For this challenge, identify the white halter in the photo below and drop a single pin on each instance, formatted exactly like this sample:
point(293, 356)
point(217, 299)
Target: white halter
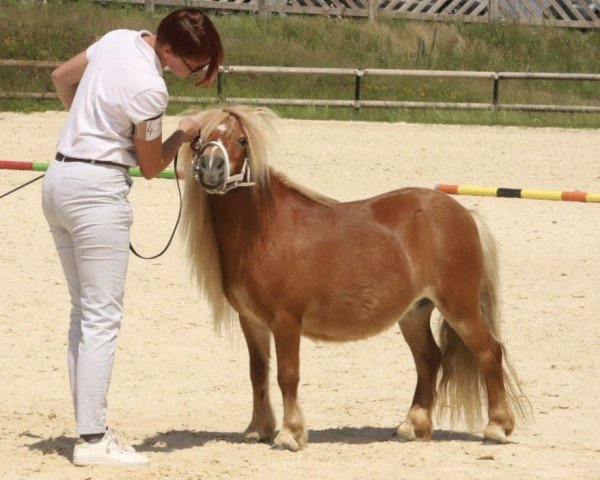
point(230, 182)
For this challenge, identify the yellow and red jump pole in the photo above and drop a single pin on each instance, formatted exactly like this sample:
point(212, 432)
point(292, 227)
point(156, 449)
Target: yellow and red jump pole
point(442, 187)
point(517, 193)
point(42, 167)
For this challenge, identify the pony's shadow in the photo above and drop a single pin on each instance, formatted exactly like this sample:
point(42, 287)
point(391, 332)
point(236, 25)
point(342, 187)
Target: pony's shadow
point(365, 435)
point(183, 439)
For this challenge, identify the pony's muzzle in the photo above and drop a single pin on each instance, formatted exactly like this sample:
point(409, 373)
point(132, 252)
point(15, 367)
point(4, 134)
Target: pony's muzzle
point(209, 170)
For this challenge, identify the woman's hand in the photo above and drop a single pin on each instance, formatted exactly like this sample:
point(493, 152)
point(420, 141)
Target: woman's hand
point(155, 155)
point(190, 128)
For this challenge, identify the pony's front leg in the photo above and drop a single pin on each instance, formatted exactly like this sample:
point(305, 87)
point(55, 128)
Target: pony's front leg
point(258, 339)
point(286, 331)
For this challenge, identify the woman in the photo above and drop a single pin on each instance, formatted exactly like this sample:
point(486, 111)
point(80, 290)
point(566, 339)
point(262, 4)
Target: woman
point(116, 98)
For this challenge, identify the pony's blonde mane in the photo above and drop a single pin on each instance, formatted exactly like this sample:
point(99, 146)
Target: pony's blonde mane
point(197, 224)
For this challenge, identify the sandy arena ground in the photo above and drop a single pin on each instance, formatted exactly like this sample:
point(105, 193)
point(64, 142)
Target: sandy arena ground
point(181, 393)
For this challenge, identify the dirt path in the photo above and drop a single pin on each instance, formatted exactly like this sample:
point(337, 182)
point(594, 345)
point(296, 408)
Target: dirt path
point(181, 393)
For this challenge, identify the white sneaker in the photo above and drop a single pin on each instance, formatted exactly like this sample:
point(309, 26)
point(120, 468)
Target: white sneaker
point(108, 451)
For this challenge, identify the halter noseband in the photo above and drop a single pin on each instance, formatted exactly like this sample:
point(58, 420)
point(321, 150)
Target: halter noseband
point(230, 182)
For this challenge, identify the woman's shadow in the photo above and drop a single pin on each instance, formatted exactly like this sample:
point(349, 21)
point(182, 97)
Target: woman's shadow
point(62, 445)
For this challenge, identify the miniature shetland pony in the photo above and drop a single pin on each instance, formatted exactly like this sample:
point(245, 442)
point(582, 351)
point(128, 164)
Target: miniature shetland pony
point(292, 262)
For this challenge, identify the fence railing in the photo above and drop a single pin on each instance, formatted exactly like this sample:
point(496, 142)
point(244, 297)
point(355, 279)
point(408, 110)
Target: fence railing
point(356, 101)
point(560, 13)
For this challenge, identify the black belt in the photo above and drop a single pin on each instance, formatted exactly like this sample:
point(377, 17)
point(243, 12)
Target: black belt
point(63, 158)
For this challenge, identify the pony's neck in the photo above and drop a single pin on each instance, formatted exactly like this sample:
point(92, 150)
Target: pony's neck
point(248, 210)
point(236, 217)
point(233, 206)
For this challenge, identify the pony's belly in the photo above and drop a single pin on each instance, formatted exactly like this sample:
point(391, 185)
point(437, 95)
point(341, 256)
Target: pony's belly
point(345, 326)
point(353, 310)
point(334, 320)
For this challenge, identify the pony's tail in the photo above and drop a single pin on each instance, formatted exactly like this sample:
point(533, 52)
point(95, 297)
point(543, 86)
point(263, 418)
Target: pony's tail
point(461, 389)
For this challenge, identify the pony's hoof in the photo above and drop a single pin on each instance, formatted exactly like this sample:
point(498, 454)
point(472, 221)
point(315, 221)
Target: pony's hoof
point(494, 433)
point(406, 432)
point(257, 436)
point(286, 440)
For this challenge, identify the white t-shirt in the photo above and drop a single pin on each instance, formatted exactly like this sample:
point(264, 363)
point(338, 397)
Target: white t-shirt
point(122, 86)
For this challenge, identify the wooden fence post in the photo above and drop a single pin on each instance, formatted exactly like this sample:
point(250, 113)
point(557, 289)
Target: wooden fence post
point(372, 10)
point(357, 90)
point(220, 85)
point(496, 93)
point(262, 8)
point(494, 11)
point(149, 5)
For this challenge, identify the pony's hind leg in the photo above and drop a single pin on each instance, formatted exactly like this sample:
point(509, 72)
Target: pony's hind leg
point(286, 332)
point(467, 329)
point(472, 354)
point(258, 339)
point(416, 329)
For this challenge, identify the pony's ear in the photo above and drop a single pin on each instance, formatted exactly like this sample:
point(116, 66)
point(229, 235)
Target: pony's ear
point(266, 113)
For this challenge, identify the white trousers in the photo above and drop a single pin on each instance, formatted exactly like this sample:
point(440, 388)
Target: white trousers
point(90, 217)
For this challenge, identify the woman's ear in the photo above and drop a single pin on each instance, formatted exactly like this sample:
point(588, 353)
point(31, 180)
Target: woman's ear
point(164, 51)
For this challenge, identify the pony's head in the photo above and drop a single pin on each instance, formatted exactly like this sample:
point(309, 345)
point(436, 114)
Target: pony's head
point(232, 149)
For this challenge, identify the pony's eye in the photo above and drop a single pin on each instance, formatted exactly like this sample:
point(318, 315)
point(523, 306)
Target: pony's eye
point(243, 142)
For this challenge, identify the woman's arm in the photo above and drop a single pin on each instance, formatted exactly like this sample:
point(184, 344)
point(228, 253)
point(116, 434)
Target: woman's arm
point(66, 78)
point(155, 155)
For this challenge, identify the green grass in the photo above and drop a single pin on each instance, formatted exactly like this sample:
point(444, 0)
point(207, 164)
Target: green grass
point(59, 29)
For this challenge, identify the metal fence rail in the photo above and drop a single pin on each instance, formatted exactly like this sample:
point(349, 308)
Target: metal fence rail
point(357, 102)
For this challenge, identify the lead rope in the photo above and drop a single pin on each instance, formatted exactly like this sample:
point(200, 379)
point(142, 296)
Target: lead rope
point(176, 222)
point(130, 245)
point(21, 186)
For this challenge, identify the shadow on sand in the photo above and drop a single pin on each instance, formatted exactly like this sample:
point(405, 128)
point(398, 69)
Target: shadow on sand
point(364, 435)
point(183, 439)
point(62, 445)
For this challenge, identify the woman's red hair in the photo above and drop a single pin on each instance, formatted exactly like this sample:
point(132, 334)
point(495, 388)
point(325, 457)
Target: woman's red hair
point(192, 35)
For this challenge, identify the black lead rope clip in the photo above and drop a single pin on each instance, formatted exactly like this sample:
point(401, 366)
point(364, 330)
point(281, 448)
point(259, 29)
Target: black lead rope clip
point(196, 143)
